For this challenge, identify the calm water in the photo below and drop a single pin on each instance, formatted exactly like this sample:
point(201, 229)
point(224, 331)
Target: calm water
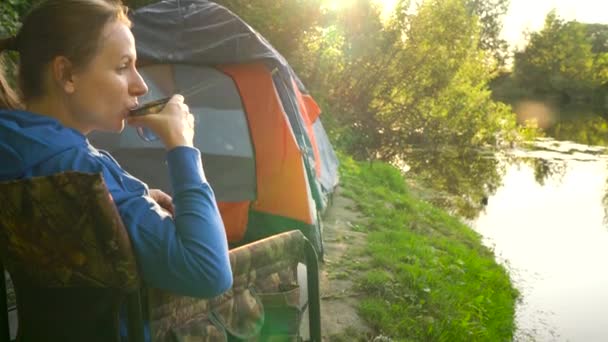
point(553, 237)
point(543, 210)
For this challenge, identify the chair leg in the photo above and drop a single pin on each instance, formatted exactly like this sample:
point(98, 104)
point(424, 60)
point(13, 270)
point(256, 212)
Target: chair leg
point(314, 297)
point(135, 319)
point(5, 333)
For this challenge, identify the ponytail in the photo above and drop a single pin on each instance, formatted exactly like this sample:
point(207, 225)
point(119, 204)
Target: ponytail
point(8, 96)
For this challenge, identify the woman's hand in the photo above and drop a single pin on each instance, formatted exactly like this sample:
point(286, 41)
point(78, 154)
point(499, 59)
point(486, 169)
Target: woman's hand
point(165, 201)
point(174, 125)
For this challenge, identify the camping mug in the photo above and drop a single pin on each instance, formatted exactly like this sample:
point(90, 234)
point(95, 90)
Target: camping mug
point(151, 107)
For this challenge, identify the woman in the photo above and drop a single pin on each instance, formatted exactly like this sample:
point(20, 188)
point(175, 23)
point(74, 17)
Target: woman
point(76, 75)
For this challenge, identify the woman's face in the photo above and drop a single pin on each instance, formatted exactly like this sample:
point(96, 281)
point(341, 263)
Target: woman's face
point(108, 87)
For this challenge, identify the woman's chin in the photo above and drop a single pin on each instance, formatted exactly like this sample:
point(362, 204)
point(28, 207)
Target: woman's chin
point(116, 127)
point(119, 127)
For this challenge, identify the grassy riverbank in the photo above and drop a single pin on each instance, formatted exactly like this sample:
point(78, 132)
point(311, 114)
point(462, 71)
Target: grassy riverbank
point(423, 275)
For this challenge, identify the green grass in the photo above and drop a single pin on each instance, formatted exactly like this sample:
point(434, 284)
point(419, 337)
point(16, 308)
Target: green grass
point(351, 334)
point(428, 277)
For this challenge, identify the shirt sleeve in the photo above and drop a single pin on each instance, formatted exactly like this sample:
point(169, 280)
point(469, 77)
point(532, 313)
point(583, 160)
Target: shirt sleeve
point(186, 254)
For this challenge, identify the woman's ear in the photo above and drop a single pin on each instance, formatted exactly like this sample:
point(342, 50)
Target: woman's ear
point(63, 74)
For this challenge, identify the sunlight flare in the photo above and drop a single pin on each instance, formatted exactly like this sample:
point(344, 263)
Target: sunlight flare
point(386, 6)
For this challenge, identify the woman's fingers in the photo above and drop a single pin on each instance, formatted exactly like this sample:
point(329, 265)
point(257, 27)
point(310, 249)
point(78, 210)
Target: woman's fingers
point(191, 120)
point(174, 124)
point(177, 98)
point(163, 200)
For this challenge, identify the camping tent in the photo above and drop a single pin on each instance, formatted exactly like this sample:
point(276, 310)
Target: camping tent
point(264, 148)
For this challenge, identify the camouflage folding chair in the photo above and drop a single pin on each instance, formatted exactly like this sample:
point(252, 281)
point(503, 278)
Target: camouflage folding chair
point(264, 303)
point(70, 260)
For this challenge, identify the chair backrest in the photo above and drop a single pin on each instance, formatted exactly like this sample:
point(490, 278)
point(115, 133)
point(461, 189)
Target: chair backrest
point(70, 259)
point(264, 303)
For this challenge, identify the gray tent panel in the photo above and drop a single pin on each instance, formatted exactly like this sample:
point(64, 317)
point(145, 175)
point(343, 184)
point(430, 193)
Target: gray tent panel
point(329, 160)
point(201, 32)
point(198, 32)
point(217, 106)
point(221, 125)
point(222, 132)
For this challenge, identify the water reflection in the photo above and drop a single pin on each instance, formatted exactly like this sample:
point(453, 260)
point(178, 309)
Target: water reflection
point(461, 181)
point(580, 125)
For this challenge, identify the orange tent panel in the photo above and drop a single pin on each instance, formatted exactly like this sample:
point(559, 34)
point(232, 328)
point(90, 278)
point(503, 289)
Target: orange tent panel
point(235, 216)
point(282, 187)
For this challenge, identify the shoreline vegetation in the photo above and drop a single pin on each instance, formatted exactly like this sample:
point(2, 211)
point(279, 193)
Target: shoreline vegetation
point(422, 275)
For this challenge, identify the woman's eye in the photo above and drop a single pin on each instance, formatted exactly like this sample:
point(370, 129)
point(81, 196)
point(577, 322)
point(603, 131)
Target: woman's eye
point(123, 67)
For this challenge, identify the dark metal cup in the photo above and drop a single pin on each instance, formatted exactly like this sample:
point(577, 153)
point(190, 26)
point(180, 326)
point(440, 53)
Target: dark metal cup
point(151, 107)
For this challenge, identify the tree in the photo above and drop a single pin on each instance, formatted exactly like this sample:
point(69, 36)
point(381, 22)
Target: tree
point(490, 14)
point(559, 61)
point(420, 81)
point(599, 37)
point(444, 77)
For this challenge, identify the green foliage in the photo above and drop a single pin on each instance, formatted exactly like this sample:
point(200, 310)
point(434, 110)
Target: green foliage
point(10, 13)
point(561, 53)
point(429, 277)
point(566, 62)
point(598, 33)
point(490, 14)
point(420, 80)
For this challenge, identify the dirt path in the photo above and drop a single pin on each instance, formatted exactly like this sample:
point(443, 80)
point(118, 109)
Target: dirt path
point(339, 297)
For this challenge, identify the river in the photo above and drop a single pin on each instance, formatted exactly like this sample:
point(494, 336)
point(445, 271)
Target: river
point(543, 210)
point(553, 238)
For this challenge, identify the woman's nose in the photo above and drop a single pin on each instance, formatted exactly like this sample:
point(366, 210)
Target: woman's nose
point(138, 86)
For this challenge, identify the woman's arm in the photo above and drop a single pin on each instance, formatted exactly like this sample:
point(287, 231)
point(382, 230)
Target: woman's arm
point(185, 254)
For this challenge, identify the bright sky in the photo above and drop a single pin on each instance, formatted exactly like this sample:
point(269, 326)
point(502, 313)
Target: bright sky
point(530, 15)
point(525, 14)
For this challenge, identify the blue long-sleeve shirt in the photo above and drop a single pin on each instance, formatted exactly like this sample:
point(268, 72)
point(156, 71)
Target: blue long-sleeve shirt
point(187, 254)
